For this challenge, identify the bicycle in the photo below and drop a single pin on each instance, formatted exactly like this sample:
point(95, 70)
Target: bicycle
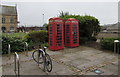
point(40, 56)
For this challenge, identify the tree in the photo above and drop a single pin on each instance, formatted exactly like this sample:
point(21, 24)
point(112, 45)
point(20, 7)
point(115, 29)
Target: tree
point(63, 14)
point(45, 26)
point(88, 25)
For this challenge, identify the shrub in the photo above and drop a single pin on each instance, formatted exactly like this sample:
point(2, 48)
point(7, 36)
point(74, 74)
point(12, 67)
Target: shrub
point(36, 38)
point(83, 40)
point(88, 25)
point(17, 44)
point(45, 44)
point(93, 39)
point(108, 43)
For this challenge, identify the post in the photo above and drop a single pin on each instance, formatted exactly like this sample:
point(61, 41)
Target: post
point(17, 65)
point(9, 51)
point(26, 48)
point(43, 18)
point(116, 46)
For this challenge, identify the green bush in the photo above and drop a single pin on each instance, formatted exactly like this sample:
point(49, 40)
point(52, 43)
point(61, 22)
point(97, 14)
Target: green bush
point(44, 44)
point(88, 26)
point(108, 43)
point(17, 44)
point(83, 40)
point(92, 39)
point(36, 38)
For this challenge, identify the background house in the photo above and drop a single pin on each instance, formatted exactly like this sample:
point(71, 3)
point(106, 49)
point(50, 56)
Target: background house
point(9, 18)
point(110, 31)
point(111, 28)
point(28, 29)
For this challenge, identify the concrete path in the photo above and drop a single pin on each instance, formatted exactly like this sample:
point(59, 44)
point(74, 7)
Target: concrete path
point(70, 61)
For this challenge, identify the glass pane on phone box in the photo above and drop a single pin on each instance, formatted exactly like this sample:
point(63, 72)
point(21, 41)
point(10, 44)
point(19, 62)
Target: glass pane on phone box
point(74, 25)
point(75, 34)
point(74, 29)
point(60, 44)
point(74, 42)
point(50, 24)
point(58, 24)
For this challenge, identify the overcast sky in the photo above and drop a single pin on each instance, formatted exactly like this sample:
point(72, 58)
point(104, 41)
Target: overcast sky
point(31, 13)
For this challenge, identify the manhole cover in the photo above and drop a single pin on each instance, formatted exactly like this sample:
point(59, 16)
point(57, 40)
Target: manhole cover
point(98, 71)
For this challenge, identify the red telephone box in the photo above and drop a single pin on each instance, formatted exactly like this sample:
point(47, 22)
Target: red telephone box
point(56, 35)
point(71, 32)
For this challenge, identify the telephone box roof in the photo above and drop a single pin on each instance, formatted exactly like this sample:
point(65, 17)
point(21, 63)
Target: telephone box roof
point(71, 19)
point(55, 18)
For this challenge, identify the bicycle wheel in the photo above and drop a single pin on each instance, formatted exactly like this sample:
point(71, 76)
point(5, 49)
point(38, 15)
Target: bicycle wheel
point(37, 56)
point(48, 63)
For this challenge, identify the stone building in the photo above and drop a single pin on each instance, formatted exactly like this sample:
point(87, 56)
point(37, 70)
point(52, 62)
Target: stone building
point(8, 15)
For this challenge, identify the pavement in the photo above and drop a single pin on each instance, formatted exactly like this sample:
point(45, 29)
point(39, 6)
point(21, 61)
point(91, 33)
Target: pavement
point(80, 60)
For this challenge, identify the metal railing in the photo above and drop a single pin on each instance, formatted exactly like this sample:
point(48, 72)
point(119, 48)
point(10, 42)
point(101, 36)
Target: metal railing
point(17, 65)
point(26, 48)
point(9, 51)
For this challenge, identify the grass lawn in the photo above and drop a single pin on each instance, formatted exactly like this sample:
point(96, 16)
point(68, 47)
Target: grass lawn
point(20, 34)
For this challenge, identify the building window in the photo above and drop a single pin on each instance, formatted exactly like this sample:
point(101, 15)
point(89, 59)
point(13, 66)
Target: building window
point(11, 20)
point(11, 28)
point(3, 29)
point(3, 20)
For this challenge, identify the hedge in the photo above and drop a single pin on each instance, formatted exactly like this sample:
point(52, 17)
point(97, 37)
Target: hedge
point(33, 38)
point(36, 38)
point(108, 43)
point(16, 44)
point(89, 26)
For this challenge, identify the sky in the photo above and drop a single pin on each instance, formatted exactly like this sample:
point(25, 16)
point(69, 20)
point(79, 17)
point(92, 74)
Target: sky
point(31, 12)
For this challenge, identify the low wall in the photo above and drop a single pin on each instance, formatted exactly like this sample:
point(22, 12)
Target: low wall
point(108, 35)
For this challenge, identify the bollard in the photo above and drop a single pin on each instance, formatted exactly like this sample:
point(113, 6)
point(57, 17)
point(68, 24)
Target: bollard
point(26, 48)
point(116, 46)
point(17, 65)
point(9, 51)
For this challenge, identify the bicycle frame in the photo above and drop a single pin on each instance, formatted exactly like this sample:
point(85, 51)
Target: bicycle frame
point(43, 50)
point(44, 53)
point(41, 53)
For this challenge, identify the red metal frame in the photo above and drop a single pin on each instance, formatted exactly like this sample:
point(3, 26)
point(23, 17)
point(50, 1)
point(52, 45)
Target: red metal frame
point(56, 33)
point(71, 32)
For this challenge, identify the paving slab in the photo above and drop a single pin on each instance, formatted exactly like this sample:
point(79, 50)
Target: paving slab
point(79, 61)
point(110, 69)
point(68, 61)
point(8, 70)
point(65, 72)
point(91, 73)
